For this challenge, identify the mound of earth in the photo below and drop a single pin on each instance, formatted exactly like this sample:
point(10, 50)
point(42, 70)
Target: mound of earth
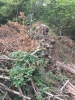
point(59, 47)
point(13, 37)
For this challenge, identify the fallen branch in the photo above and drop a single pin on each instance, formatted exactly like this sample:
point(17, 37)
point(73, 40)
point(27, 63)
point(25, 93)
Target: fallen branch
point(70, 89)
point(6, 94)
point(60, 91)
point(19, 88)
point(32, 83)
point(5, 77)
point(2, 91)
point(3, 65)
point(36, 51)
point(14, 92)
point(2, 59)
point(10, 90)
point(66, 67)
point(54, 96)
point(3, 70)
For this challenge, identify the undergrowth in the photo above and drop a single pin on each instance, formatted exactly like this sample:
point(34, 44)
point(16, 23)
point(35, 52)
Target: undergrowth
point(27, 67)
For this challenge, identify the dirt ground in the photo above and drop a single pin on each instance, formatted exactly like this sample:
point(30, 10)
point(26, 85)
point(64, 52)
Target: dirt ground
point(13, 37)
point(61, 48)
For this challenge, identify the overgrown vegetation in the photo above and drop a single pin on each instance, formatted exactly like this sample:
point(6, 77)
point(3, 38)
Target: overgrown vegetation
point(36, 74)
point(28, 67)
point(28, 72)
point(24, 69)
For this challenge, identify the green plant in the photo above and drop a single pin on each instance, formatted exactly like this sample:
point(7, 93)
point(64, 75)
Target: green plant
point(20, 76)
point(24, 67)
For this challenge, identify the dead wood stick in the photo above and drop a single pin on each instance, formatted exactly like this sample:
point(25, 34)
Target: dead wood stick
point(61, 95)
point(3, 65)
point(35, 51)
point(6, 94)
point(9, 90)
point(65, 67)
point(34, 87)
point(3, 70)
point(72, 85)
point(14, 92)
point(54, 96)
point(71, 90)
point(5, 77)
point(2, 91)
point(60, 91)
point(9, 59)
point(19, 88)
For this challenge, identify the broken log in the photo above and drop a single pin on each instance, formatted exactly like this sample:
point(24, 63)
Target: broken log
point(66, 67)
point(44, 29)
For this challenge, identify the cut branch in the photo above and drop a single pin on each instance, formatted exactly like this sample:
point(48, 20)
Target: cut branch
point(2, 86)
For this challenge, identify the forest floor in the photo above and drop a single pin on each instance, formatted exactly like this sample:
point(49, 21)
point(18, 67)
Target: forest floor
point(14, 37)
